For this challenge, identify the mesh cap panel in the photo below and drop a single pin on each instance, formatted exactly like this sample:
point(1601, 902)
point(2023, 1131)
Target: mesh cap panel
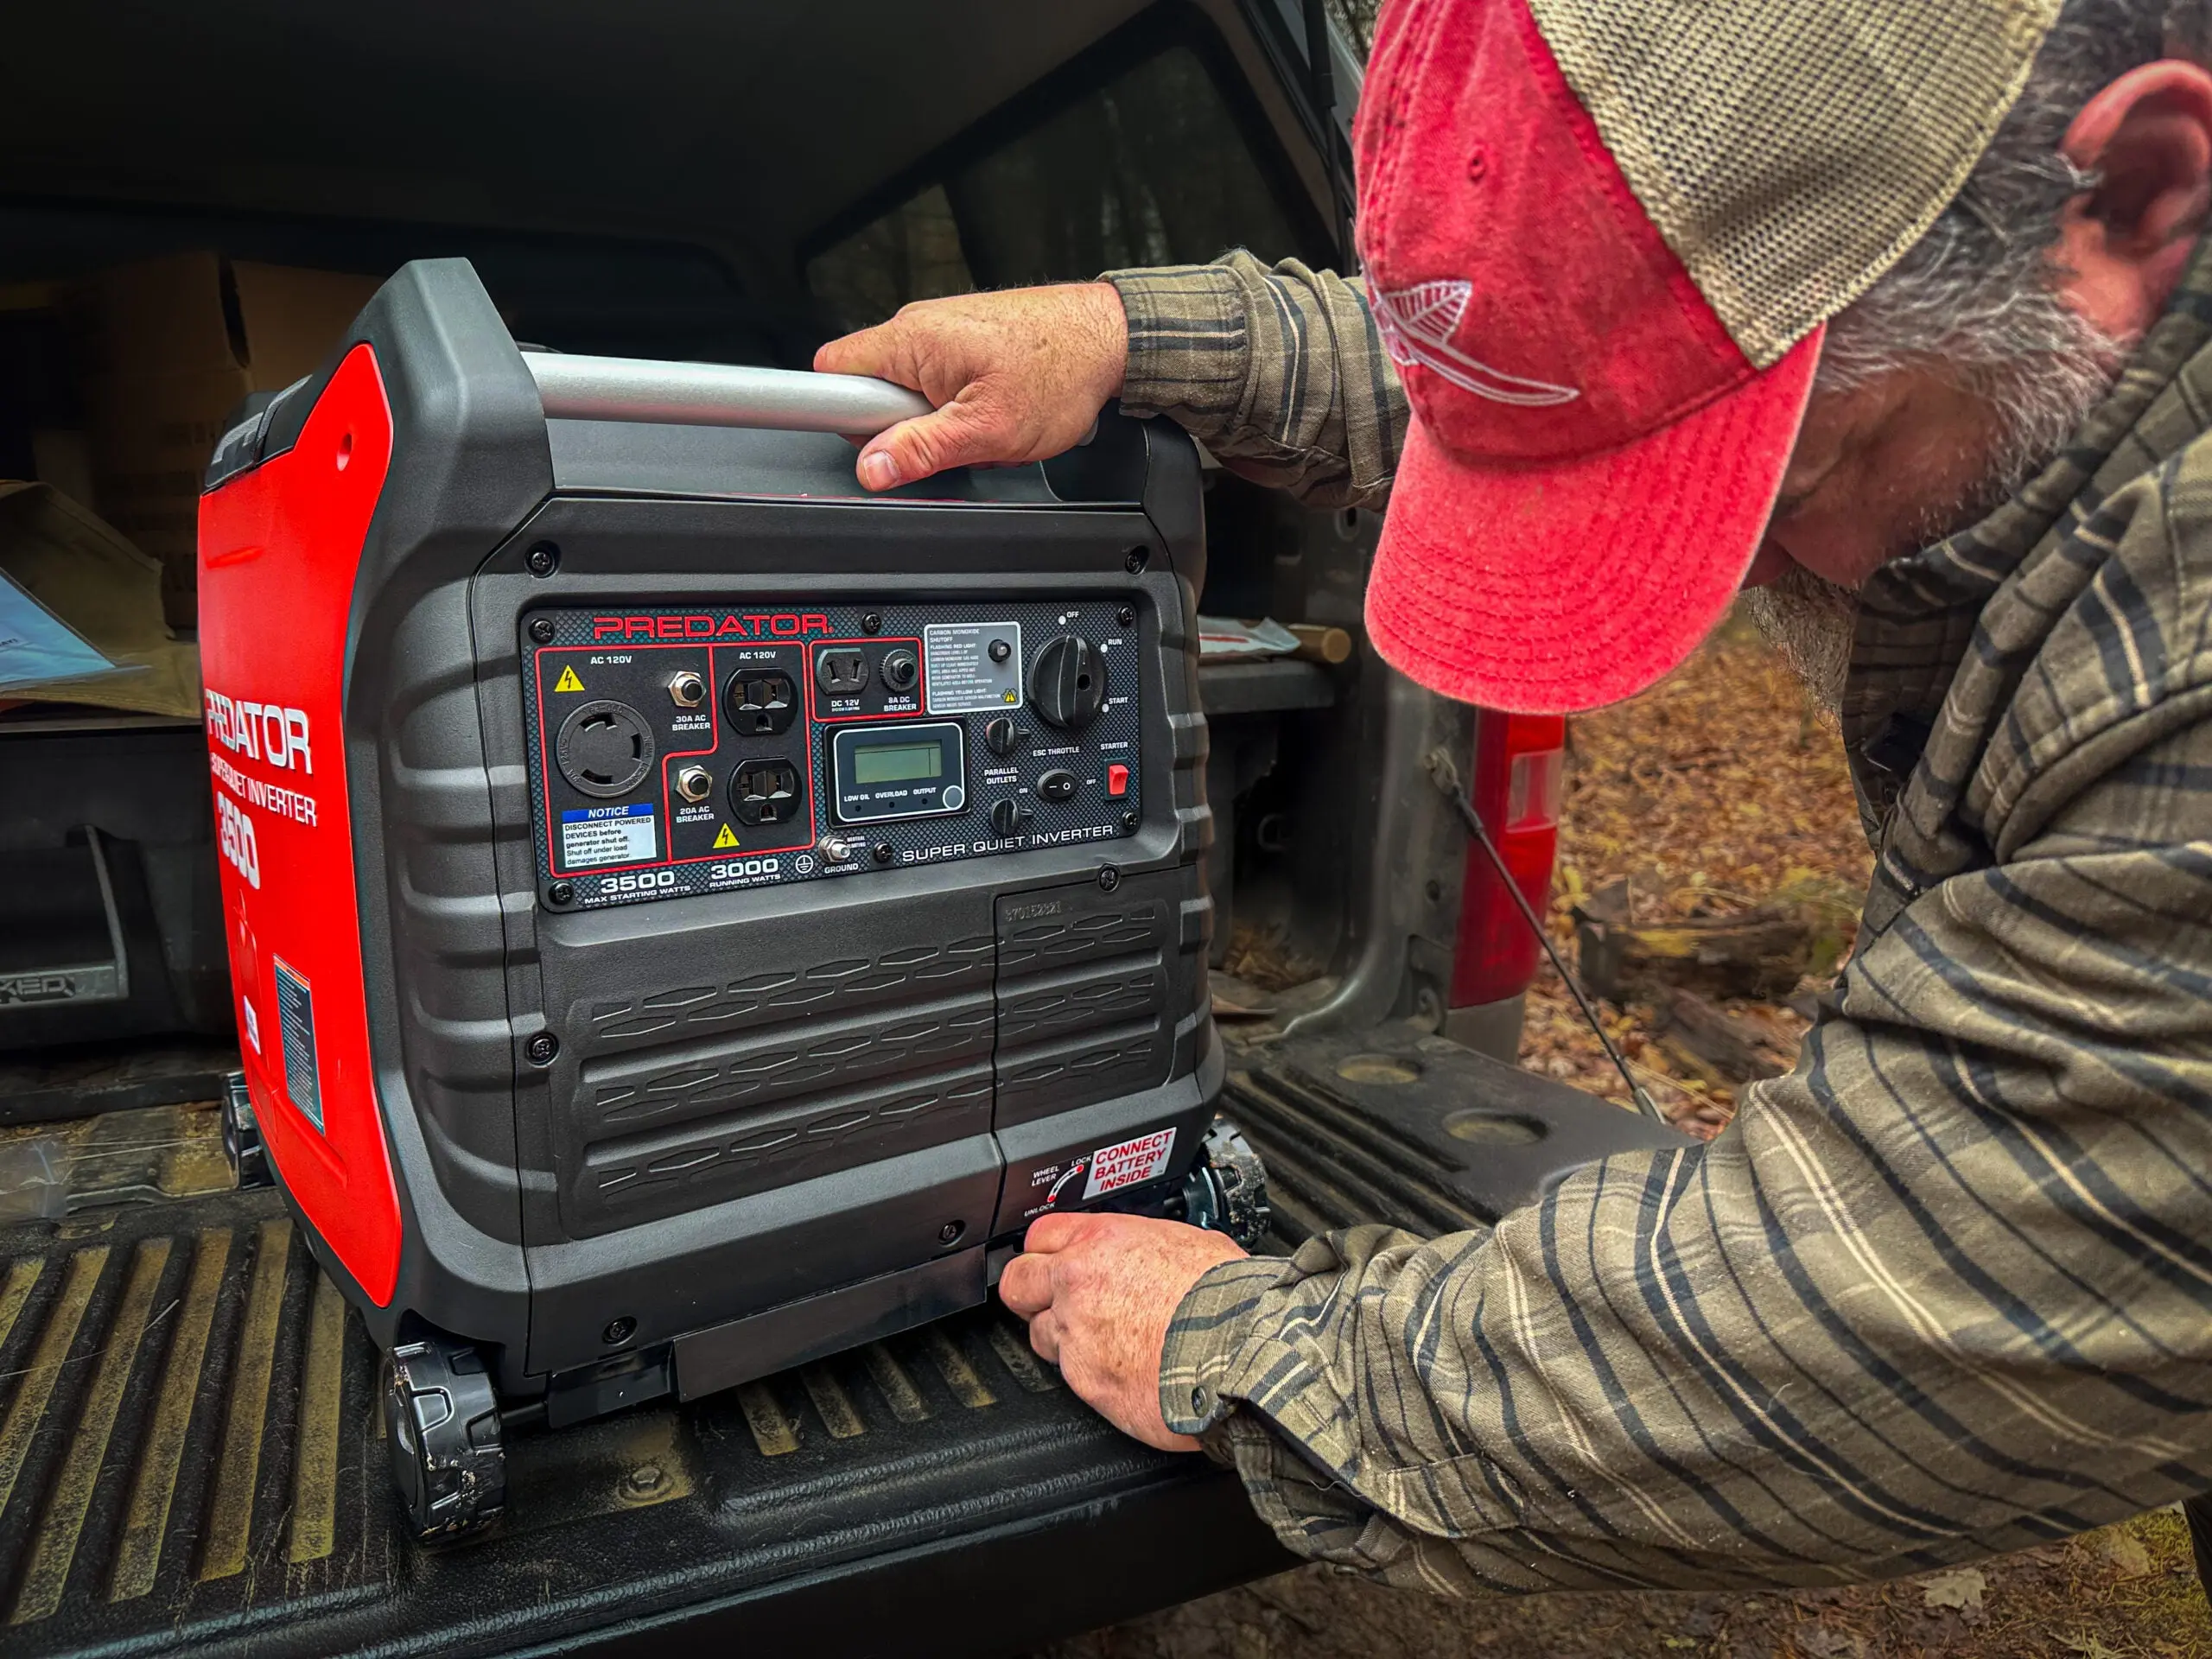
point(1790, 150)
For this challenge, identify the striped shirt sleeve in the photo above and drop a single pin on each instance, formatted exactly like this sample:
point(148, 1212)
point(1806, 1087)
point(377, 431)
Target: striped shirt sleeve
point(1278, 371)
point(1945, 1290)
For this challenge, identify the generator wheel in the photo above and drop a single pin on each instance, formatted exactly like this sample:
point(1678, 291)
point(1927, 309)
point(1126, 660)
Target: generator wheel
point(443, 1422)
point(1227, 1188)
point(242, 1146)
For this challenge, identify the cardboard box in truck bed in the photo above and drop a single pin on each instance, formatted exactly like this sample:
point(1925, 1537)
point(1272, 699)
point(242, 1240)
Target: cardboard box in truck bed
point(171, 345)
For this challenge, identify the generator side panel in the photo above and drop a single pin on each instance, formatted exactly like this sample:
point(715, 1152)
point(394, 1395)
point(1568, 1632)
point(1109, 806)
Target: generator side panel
point(279, 552)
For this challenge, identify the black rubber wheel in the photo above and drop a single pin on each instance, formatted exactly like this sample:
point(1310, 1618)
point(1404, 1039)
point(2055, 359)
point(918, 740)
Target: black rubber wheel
point(443, 1420)
point(242, 1137)
point(1227, 1189)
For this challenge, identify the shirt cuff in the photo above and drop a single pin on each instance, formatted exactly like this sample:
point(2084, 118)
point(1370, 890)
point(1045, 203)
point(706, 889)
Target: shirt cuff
point(1187, 335)
point(1211, 1326)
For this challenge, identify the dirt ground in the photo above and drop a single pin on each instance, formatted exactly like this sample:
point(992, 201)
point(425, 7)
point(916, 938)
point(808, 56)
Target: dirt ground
point(2127, 1592)
point(1710, 793)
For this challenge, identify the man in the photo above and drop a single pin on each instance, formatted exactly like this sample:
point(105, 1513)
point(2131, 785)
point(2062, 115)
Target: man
point(1894, 312)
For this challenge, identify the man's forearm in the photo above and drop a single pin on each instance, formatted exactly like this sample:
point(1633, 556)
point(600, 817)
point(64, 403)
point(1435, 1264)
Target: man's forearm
point(1279, 373)
point(1942, 1291)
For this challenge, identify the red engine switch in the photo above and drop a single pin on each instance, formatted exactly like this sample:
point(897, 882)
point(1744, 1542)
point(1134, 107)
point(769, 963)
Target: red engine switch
point(1117, 780)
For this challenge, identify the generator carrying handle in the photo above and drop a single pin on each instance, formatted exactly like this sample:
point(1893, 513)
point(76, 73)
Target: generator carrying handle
point(718, 394)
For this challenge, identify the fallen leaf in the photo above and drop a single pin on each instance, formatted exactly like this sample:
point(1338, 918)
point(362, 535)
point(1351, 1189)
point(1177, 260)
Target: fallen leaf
point(1819, 1642)
point(2123, 1551)
point(1962, 1588)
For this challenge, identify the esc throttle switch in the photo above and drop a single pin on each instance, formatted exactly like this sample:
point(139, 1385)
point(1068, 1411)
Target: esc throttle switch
point(1068, 682)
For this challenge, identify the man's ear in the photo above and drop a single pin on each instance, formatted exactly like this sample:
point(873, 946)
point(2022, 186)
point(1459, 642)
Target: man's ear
point(2124, 242)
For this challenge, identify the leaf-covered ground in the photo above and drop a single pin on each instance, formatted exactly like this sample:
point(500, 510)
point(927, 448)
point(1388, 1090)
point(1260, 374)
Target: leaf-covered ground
point(1709, 793)
point(2126, 1593)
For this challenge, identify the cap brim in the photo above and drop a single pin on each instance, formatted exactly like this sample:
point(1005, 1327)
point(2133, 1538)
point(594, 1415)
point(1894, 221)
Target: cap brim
point(1556, 587)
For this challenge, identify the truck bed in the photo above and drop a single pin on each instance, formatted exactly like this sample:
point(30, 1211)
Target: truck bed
point(191, 1455)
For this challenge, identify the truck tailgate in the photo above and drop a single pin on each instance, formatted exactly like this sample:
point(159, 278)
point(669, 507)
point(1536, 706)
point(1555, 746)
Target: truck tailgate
point(191, 1455)
point(191, 1459)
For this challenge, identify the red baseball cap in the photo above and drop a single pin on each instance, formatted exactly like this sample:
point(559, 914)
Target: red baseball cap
point(1600, 240)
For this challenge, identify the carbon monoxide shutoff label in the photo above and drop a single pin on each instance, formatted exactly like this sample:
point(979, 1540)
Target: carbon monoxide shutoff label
point(974, 668)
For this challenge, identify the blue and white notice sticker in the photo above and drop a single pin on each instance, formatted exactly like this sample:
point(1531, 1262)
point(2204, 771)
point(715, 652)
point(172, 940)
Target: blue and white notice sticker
point(609, 834)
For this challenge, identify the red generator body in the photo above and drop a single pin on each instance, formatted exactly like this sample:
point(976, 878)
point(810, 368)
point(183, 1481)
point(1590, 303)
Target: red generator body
point(687, 918)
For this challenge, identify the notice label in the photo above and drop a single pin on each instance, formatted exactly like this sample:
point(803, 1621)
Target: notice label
point(1132, 1161)
point(972, 666)
point(296, 1033)
point(609, 834)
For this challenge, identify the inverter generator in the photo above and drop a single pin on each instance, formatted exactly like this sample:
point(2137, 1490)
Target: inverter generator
point(688, 918)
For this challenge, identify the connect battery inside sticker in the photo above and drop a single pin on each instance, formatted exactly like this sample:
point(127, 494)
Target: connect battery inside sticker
point(1128, 1162)
point(609, 834)
point(296, 1032)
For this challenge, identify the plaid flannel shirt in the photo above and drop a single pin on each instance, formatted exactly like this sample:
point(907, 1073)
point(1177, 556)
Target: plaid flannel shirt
point(1947, 1290)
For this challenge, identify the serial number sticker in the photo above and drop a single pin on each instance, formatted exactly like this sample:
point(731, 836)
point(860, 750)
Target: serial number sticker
point(296, 1031)
point(965, 676)
point(609, 834)
point(1129, 1163)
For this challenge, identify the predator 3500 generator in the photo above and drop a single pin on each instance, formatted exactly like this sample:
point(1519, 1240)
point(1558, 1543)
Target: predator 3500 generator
point(687, 918)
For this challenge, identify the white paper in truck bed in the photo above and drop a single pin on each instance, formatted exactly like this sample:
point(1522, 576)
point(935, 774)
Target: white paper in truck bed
point(107, 593)
point(36, 647)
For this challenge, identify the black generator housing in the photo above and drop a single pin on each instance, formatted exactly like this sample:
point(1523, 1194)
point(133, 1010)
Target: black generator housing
point(767, 900)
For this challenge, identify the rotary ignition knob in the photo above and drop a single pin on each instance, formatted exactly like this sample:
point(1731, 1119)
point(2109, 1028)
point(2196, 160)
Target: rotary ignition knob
point(1068, 682)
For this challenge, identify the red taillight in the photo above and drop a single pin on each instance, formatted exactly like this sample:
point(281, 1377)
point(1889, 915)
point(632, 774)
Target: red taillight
point(1519, 768)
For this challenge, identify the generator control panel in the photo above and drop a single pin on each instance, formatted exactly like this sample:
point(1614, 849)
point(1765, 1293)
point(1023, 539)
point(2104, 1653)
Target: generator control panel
point(720, 747)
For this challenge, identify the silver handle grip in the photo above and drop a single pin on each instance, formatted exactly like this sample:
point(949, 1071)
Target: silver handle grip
point(718, 394)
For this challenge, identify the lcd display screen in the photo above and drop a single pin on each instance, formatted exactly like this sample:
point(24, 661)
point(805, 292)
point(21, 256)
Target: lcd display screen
point(903, 763)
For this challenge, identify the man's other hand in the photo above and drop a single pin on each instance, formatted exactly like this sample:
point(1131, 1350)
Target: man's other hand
point(1016, 377)
point(1098, 1291)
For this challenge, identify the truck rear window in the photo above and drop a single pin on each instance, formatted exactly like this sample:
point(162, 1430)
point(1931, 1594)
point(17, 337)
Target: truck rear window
point(1152, 167)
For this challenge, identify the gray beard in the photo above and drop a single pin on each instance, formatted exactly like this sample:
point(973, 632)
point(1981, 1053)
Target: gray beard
point(2057, 368)
point(1810, 624)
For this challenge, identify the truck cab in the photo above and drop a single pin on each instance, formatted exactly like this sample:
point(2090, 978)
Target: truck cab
point(191, 1450)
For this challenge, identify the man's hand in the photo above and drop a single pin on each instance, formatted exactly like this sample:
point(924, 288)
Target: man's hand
point(1018, 376)
point(1098, 1291)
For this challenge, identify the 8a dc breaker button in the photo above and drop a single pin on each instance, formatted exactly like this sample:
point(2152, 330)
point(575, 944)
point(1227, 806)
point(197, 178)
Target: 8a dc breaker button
point(1117, 780)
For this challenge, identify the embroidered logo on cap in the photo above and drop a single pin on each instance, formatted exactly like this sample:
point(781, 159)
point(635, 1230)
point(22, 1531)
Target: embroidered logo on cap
point(1417, 325)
